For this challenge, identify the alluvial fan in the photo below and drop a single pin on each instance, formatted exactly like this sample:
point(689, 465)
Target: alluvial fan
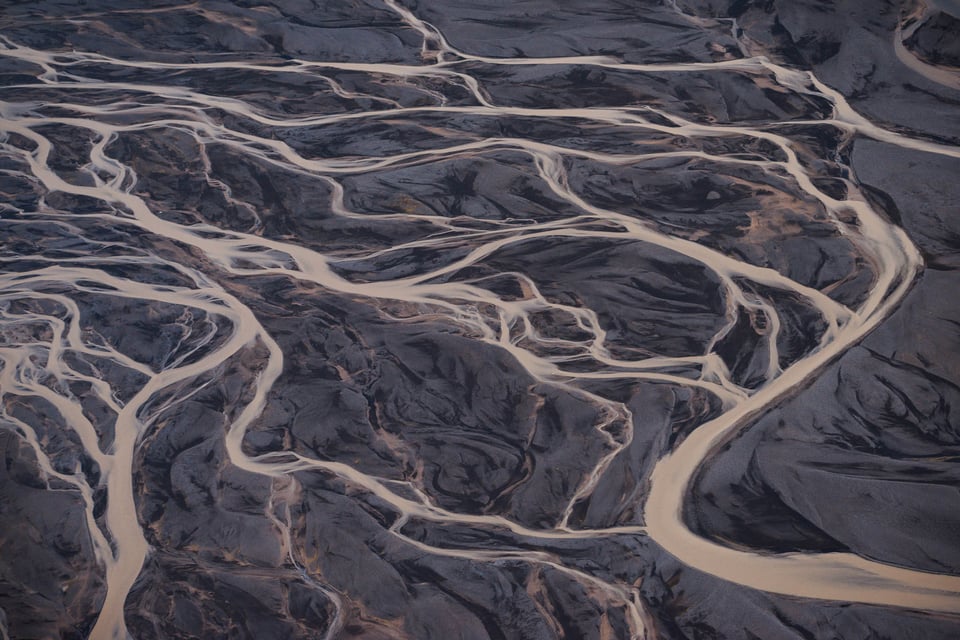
point(418, 319)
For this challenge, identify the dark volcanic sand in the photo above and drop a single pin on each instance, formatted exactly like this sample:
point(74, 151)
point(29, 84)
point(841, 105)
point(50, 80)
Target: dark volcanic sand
point(449, 320)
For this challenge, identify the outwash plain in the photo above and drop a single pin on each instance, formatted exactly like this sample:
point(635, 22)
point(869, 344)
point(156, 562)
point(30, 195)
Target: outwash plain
point(409, 319)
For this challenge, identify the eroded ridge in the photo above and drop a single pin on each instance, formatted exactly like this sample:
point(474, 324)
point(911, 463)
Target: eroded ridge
point(147, 195)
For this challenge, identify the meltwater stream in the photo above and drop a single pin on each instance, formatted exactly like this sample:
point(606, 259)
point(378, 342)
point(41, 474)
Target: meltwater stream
point(403, 320)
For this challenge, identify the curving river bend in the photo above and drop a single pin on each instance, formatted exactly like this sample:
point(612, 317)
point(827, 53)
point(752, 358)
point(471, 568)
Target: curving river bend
point(419, 320)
